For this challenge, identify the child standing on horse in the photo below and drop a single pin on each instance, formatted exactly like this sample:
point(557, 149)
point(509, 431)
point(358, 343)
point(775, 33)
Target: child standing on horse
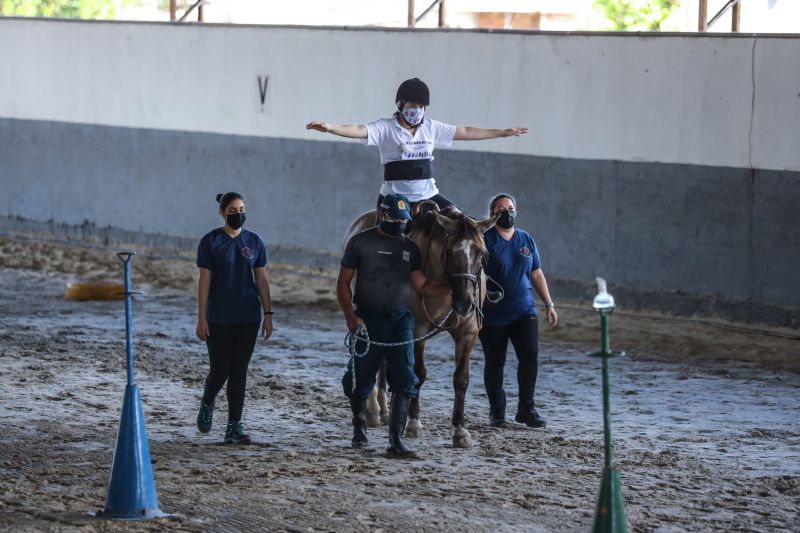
point(406, 141)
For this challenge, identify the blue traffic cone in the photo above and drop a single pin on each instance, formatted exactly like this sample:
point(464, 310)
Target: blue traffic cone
point(131, 489)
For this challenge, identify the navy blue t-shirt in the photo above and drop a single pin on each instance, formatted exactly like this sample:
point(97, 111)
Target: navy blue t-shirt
point(510, 264)
point(234, 297)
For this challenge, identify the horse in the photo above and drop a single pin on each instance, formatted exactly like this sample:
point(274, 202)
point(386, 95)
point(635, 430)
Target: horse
point(453, 252)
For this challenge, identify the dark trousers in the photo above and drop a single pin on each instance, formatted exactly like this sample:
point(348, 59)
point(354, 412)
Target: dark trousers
point(230, 347)
point(524, 336)
point(399, 359)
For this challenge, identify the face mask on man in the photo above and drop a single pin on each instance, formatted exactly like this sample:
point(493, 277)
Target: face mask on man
point(413, 116)
point(506, 219)
point(393, 228)
point(235, 220)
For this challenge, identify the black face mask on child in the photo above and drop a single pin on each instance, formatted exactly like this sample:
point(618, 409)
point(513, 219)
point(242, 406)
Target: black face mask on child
point(506, 219)
point(235, 220)
point(392, 228)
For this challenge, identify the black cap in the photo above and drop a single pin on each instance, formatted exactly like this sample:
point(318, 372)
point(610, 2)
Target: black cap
point(413, 90)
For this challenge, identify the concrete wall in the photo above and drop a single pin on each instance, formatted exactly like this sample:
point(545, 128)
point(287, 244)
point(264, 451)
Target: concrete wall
point(665, 163)
point(674, 99)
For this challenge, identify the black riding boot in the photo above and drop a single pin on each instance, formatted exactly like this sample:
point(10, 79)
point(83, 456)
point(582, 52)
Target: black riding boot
point(359, 408)
point(497, 410)
point(526, 412)
point(398, 415)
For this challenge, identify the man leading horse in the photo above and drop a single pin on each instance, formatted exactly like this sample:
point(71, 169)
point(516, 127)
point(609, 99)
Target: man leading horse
point(452, 254)
point(384, 263)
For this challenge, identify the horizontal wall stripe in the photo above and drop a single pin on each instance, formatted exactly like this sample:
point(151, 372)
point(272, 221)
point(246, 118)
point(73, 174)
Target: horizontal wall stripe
point(719, 231)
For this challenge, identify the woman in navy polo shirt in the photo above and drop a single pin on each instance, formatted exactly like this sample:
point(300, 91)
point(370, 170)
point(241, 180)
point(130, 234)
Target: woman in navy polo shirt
point(514, 264)
point(232, 294)
point(406, 141)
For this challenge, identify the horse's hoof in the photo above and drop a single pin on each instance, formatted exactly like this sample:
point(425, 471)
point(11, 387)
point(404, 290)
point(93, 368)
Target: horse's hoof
point(413, 427)
point(384, 420)
point(374, 420)
point(461, 438)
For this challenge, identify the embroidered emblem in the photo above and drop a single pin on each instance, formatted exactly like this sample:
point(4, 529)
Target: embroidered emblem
point(406, 256)
point(401, 204)
point(247, 253)
point(525, 251)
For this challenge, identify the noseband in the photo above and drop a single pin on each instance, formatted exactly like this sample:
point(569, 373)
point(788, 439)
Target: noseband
point(472, 278)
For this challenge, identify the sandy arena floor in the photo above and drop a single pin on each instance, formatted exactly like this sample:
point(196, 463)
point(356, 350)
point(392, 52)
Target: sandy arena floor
point(706, 428)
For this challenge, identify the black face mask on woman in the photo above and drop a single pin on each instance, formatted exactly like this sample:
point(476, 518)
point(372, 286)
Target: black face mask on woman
point(235, 220)
point(392, 228)
point(506, 219)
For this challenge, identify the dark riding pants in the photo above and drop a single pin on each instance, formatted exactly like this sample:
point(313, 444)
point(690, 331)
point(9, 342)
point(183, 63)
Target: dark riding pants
point(400, 375)
point(230, 347)
point(524, 336)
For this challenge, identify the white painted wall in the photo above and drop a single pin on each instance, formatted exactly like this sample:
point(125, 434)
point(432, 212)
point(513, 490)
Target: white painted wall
point(676, 99)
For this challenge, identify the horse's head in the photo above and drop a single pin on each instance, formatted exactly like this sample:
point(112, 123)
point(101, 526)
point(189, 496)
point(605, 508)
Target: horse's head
point(465, 256)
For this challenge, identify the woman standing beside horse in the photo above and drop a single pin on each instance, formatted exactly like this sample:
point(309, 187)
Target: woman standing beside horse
point(515, 265)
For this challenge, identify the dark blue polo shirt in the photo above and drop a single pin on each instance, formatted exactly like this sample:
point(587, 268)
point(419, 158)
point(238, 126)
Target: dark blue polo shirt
point(234, 297)
point(510, 264)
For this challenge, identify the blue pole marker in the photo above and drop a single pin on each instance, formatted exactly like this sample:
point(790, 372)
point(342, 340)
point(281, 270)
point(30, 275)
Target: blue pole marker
point(131, 488)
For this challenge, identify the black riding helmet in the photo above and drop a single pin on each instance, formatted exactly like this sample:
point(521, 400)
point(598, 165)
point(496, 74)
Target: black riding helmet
point(413, 90)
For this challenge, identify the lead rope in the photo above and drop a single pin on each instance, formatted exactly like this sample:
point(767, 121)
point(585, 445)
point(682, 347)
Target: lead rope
point(361, 334)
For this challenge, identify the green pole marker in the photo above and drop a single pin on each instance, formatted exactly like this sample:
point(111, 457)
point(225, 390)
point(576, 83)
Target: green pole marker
point(609, 516)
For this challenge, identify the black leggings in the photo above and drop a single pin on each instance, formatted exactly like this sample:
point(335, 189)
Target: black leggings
point(524, 336)
point(229, 349)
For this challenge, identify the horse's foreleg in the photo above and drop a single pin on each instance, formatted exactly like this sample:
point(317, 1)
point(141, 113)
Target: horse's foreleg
point(382, 398)
point(461, 437)
point(413, 426)
point(377, 412)
point(373, 418)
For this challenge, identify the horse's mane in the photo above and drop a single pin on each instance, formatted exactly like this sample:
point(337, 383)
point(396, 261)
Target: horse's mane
point(465, 229)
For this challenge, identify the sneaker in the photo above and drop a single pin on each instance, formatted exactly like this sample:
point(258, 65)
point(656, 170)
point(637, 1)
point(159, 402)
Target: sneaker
point(497, 418)
point(204, 417)
point(530, 418)
point(235, 434)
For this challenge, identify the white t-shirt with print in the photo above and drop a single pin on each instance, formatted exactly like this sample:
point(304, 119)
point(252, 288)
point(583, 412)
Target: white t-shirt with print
point(396, 143)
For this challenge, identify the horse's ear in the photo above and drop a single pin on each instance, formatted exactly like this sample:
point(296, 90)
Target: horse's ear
point(486, 225)
point(449, 224)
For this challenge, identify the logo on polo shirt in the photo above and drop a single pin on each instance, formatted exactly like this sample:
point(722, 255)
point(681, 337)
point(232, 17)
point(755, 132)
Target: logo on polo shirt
point(406, 256)
point(247, 253)
point(525, 251)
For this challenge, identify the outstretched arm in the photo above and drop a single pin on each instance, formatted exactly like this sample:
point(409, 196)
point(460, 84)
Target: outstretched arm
point(468, 133)
point(351, 131)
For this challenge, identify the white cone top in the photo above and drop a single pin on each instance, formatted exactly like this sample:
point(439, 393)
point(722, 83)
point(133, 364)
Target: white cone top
point(603, 300)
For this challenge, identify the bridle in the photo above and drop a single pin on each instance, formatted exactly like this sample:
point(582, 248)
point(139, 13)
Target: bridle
point(471, 278)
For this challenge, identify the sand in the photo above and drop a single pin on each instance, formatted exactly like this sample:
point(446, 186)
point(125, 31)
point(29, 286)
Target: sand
point(705, 422)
